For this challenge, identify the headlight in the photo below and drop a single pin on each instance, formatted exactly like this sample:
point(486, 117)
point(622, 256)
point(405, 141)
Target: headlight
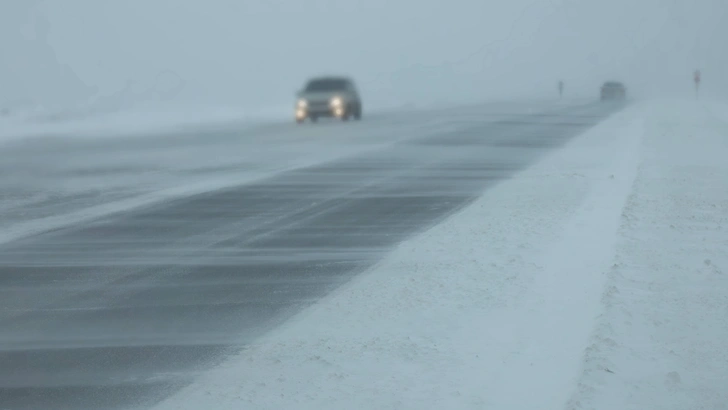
point(337, 102)
point(302, 104)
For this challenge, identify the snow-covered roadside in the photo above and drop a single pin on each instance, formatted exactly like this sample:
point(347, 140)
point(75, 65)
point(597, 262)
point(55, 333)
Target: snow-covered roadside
point(143, 118)
point(662, 341)
point(493, 308)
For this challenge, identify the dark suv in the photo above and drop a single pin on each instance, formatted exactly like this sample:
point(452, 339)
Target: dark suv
point(328, 97)
point(613, 90)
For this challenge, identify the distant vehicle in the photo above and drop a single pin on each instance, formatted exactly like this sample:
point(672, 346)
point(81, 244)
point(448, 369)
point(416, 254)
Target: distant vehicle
point(613, 90)
point(328, 97)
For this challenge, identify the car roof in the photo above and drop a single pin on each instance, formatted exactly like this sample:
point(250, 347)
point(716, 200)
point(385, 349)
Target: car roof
point(330, 78)
point(613, 84)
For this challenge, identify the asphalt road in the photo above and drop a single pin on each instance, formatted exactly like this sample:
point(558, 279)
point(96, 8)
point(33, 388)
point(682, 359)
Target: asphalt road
point(120, 312)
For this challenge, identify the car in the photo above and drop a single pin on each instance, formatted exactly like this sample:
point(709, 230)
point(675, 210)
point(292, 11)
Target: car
point(332, 96)
point(613, 90)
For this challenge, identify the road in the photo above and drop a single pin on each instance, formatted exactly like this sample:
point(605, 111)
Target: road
point(121, 311)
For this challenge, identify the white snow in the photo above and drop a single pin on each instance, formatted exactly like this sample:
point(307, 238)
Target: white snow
point(663, 334)
point(594, 279)
point(149, 119)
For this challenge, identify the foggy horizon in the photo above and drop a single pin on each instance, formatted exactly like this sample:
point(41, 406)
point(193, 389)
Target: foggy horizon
point(259, 53)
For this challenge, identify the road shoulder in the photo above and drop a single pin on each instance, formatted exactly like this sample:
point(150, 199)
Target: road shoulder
point(662, 338)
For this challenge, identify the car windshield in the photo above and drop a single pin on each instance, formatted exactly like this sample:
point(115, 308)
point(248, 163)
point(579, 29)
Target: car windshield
point(327, 84)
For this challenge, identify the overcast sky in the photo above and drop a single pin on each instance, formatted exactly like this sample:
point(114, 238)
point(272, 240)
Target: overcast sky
point(259, 52)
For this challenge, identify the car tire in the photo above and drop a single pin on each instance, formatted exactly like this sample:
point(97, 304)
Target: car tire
point(357, 113)
point(314, 118)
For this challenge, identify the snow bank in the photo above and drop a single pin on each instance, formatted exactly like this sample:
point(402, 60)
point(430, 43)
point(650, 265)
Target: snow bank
point(491, 309)
point(662, 341)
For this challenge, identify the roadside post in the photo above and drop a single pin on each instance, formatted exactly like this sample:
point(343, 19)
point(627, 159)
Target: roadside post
point(696, 79)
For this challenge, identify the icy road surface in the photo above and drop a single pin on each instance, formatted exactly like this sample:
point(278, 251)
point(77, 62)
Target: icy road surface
point(55, 175)
point(125, 309)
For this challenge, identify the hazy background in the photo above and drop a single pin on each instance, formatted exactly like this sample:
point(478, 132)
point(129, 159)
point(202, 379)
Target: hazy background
point(257, 53)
